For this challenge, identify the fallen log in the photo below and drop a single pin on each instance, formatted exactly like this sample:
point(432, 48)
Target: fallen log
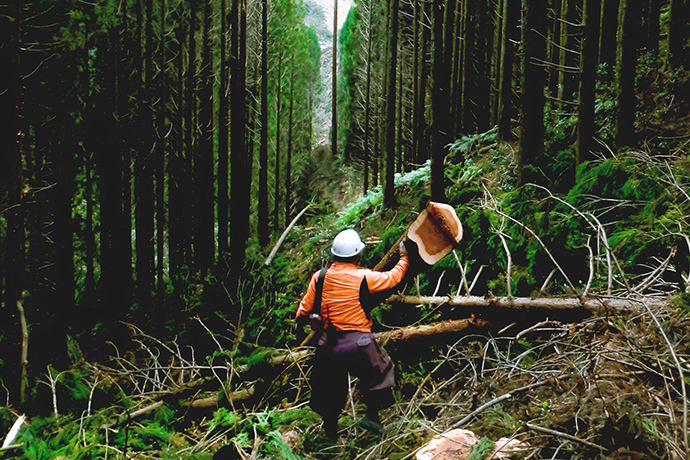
point(212, 401)
point(127, 417)
point(270, 257)
point(405, 333)
point(303, 353)
point(593, 304)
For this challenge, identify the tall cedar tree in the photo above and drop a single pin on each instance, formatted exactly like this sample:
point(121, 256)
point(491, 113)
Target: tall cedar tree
point(204, 225)
point(144, 206)
point(421, 144)
point(586, 143)
point(191, 136)
point(240, 156)
point(532, 100)
point(106, 147)
point(609, 31)
point(367, 99)
point(389, 185)
point(676, 51)
point(223, 128)
point(176, 190)
point(334, 85)
point(440, 103)
point(10, 146)
point(568, 56)
point(288, 160)
point(276, 199)
point(509, 35)
point(628, 33)
point(263, 147)
point(160, 164)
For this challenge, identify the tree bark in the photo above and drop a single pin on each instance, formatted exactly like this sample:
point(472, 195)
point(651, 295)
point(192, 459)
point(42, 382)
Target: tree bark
point(677, 33)
point(204, 225)
point(262, 222)
point(609, 28)
point(391, 68)
point(586, 143)
point(628, 29)
point(532, 101)
point(334, 86)
point(223, 126)
point(240, 158)
point(161, 226)
point(144, 207)
point(276, 193)
point(524, 303)
point(367, 102)
point(440, 106)
point(288, 160)
point(506, 112)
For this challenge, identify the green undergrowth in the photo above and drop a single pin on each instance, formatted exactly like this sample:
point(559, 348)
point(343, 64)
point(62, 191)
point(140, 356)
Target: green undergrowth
point(636, 199)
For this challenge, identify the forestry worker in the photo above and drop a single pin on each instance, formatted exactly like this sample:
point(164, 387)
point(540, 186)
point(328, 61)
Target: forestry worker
point(346, 343)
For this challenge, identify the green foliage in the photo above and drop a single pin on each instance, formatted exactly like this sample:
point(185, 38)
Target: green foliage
point(480, 449)
point(223, 419)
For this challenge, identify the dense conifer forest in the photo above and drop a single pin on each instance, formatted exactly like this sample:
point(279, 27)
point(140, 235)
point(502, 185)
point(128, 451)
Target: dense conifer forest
point(174, 171)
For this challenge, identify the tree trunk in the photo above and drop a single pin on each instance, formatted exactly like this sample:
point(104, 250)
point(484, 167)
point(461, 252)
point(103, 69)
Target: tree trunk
point(223, 126)
point(533, 82)
point(470, 77)
point(391, 68)
point(334, 87)
point(525, 303)
point(506, 111)
point(440, 106)
point(609, 31)
point(11, 154)
point(288, 161)
point(422, 144)
point(586, 143)
point(240, 183)
point(567, 83)
point(367, 102)
point(176, 210)
point(554, 26)
point(144, 207)
point(458, 69)
point(190, 138)
point(204, 225)
point(677, 34)
point(654, 26)
point(263, 148)
point(484, 47)
point(161, 226)
point(628, 30)
point(276, 193)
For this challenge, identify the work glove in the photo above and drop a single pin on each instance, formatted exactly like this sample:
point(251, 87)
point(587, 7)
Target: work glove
point(301, 321)
point(402, 249)
point(298, 328)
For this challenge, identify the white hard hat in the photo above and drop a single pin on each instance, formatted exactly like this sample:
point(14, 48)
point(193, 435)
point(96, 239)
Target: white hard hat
point(347, 244)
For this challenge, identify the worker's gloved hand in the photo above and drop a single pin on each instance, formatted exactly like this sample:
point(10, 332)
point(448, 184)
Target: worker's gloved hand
point(298, 329)
point(402, 249)
point(301, 321)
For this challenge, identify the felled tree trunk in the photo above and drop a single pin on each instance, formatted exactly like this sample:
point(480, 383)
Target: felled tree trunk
point(524, 303)
point(405, 333)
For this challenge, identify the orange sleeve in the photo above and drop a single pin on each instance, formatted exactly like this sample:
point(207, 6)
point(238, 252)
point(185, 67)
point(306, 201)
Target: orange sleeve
point(307, 303)
point(380, 281)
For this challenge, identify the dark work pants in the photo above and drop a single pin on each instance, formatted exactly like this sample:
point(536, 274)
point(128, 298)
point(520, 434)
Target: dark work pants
point(339, 353)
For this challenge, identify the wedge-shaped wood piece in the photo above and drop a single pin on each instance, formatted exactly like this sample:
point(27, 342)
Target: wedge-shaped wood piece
point(436, 230)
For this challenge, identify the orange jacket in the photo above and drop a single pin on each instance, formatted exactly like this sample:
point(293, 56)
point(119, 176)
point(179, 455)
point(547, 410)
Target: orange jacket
point(340, 297)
